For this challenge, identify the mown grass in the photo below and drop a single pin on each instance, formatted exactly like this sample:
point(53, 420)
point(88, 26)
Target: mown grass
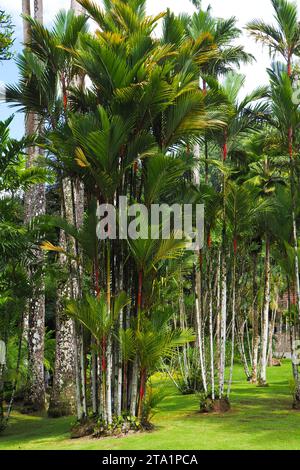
point(260, 418)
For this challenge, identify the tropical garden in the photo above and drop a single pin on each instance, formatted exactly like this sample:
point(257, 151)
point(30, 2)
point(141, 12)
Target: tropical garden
point(103, 337)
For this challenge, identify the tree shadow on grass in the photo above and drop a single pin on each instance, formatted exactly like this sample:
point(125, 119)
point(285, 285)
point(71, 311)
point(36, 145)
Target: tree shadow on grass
point(24, 428)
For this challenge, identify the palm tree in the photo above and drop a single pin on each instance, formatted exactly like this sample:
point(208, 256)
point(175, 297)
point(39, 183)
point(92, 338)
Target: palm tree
point(155, 341)
point(284, 37)
point(220, 34)
point(244, 210)
point(98, 317)
point(47, 67)
point(242, 118)
point(285, 119)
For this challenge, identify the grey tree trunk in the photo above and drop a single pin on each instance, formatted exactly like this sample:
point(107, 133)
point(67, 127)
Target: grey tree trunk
point(26, 28)
point(185, 369)
point(265, 319)
point(120, 358)
point(233, 325)
point(211, 343)
point(68, 353)
point(297, 326)
point(35, 205)
point(68, 391)
point(134, 388)
point(271, 336)
point(108, 380)
point(240, 343)
point(199, 328)
point(223, 323)
point(63, 393)
point(255, 324)
point(218, 310)
point(94, 379)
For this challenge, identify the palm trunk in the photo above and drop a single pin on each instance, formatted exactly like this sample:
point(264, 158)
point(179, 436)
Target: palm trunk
point(182, 325)
point(108, 347)
point(255, 323)
point(295, 242)
point(120, 358)
point(34, 205)
point(108, 380)
point(134, 388)
point(271, 335)
point(199, 324)
point(211, 335)
point(223, 323)
point(294, 354)
point(218, 310)
point(265, 319)
point(143, 379)
point(223, 317)
point(233, 321)
point(63, 393)
point(240, 342)
point(94, 378)
point(67, 380)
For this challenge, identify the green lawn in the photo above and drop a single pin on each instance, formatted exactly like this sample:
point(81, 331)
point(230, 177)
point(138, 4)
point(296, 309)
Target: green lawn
point(261, 418)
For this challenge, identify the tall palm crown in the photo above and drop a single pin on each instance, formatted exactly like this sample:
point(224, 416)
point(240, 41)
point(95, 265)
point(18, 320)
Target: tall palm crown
point(222, 34)
point(285, 112)
point(284, 36)
point(243, 114)
point(46, 68)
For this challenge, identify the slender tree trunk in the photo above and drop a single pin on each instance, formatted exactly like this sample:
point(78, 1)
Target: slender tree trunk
point(134, 388)
point(255, 323)
point(240, 342)
point(271, 335)
point(233, 323)
point(211, 335)
point(223, 316)
point(143, 380)
point(182, 314)
point(120, 358)
point(223, 323)
point(265, 319)
point(296, 326)
point(94, 378)
point(109, 342)
point(218, 310)
point(294, 354)
point(199, 323)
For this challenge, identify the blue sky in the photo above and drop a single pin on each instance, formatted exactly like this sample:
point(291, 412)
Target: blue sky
point(243, 11)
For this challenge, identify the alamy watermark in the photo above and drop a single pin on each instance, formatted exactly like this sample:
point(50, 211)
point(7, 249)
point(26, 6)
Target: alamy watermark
point(159, 221)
